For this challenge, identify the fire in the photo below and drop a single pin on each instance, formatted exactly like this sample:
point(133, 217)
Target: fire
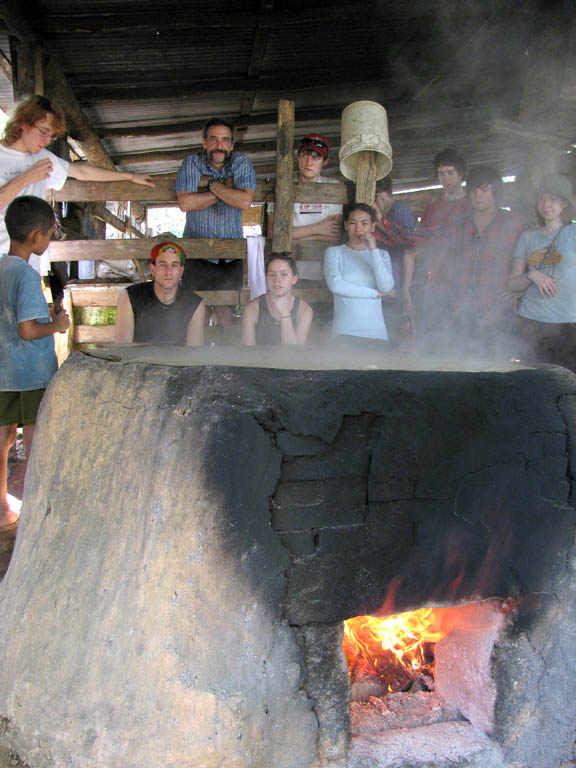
point(394, 648)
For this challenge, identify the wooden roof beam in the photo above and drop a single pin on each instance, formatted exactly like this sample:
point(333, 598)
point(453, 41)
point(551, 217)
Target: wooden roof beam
point(193, 126)
point(177, 84)
point(57, 86)
point(176, 155)
point(261, 34)
point(404, 119)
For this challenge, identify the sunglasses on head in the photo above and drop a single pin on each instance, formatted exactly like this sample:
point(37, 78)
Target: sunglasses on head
point(312, 143)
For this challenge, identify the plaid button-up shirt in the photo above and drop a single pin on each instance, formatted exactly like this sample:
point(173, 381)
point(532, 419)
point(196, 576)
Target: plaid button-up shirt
point(479, 264)
point(219, 220)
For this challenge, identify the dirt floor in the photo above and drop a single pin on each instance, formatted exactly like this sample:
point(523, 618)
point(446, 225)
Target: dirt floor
point(10, 760)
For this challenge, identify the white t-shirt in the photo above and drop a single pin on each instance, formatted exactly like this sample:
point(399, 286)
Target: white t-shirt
point(312, 213)
point(14, 163)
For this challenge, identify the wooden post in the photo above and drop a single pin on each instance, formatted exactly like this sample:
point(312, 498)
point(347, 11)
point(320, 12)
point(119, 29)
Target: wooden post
point(64, 342)
point(38, 71)
point(366, 180)
point(131, 225)
point(22, 58)
point(284, 196)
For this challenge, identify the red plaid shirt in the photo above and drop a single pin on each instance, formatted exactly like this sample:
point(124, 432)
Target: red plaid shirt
point(480, 264)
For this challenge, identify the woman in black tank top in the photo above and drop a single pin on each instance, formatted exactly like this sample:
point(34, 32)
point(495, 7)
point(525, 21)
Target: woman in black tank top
point(278, 316)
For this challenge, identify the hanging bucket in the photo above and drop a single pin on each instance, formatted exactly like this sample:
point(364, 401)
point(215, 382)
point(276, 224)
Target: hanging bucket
point(364, 127)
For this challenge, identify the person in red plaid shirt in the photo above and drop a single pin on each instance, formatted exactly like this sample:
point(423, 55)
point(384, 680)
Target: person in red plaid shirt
point(480, 308)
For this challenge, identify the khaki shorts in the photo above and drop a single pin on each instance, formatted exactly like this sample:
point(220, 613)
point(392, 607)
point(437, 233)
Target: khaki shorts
point(20, 408)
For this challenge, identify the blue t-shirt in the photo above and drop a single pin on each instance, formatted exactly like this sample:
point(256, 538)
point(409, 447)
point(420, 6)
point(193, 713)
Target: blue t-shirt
point(560, 263)
point(355, 279)
point(24, 364)
point(219, 220)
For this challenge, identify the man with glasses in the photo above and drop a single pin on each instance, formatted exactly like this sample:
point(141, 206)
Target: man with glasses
point(28, 168)
point(312, 221)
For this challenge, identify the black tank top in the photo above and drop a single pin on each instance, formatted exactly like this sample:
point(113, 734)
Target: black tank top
point(268, 329)
point(158, 323)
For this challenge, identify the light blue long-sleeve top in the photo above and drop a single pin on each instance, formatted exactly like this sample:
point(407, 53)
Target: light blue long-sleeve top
point(355, 279)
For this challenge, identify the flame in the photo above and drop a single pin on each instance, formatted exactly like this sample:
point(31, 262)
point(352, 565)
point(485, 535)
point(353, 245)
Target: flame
point(373, 645)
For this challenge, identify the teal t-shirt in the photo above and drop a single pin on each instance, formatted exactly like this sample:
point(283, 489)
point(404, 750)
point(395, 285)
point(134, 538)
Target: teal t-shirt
point(24, 364)
point(559, 263)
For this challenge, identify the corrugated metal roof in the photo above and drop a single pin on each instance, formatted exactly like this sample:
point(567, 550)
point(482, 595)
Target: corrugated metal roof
point(444, 69)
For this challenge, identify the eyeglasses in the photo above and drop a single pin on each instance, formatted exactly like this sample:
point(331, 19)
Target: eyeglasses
point(310, 142)
point(46, 134)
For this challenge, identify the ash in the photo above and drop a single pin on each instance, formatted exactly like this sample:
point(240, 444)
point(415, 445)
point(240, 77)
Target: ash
point(400, 710)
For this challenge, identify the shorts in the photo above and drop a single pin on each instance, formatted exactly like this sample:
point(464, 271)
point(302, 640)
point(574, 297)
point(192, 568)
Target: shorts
point(20, 408)
point(201, 275)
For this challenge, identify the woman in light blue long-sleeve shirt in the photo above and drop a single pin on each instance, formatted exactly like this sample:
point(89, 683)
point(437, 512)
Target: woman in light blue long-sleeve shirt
point(358, 275)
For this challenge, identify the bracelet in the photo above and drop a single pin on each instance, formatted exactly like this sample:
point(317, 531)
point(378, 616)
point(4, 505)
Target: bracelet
point(132, 179)
point(285, 317)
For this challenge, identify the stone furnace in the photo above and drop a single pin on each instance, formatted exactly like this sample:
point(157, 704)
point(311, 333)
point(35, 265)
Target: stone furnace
point(195, 532)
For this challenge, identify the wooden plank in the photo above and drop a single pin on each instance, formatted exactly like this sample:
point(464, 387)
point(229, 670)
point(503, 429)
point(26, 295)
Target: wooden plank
point(176, 83)
point(21, 54)
point(366, 180)
point(102, 191)
point(106, 250)
point(314, 115)
point(99, 191)
point(524, 132)
point(94, 334)
point(310, 250)
point(83, 295)
point(284, 191)
point(320, 193)
point(63, 342)
point(100, 211)
point(253, 216)
point(250, 148)
point(107, 295)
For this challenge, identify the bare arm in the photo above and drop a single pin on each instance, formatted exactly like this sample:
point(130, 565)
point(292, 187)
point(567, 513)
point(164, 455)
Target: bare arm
point(409, 259)
point(250, 317)
point(227, 193)
point(38, 172)
point(518, 280)
point(195, 332)
point(521, 278)
point(85, 172)
point(328, 229)
point(124, 328)
point(303, 323)
point(32, 329)
point(195, 201)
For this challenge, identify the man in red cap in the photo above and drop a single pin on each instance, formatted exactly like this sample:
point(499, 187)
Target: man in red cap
point(312, 221)
point(159, 312)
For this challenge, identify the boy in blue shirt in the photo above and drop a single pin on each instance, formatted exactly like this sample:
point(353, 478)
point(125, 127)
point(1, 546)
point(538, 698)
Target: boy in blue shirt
point(27, 357)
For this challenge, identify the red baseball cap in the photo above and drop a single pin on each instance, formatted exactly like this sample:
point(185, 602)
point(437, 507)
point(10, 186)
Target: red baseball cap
point(315, 142)
point(167, 246)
